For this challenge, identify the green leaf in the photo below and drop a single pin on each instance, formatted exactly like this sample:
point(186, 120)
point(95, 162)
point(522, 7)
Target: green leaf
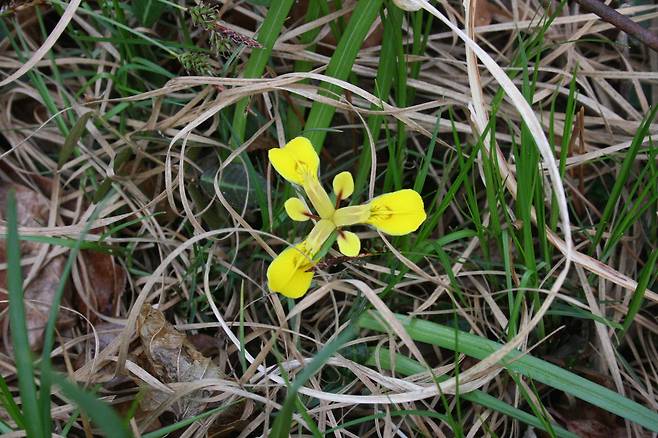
point(72, 138)
point(166, 430)
point(624, 173)
point(22, 354)
point(235, 183)
point(524, 364)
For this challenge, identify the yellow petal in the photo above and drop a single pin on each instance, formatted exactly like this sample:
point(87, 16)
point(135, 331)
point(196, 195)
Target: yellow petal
point(291, 272)
point(354, 214)
point(318, 197)
point(397, 213)
point(349, 243)
point(318, 235)
point(296, 210)
point(296, 161)
point(343, 185)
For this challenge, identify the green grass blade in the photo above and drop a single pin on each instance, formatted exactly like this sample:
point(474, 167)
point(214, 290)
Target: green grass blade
point(283, 421)
point(383, 84)
point(340, 67)
point(22, 353)
point(100, 413)
point(186, 422)
point(407, 367)
point(267, 35)
point(71, 141)
point(624, 172)
point(419, 182)
point(392, 413)
point(638, 296)
point(7, 400)
point(49, 331)
point(524, 364)
point(295, 115)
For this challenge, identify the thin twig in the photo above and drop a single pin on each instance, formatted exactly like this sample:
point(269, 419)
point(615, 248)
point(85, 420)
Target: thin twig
point(621, 22)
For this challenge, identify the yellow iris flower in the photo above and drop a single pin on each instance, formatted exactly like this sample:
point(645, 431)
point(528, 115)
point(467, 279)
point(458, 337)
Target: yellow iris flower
point(397, 213)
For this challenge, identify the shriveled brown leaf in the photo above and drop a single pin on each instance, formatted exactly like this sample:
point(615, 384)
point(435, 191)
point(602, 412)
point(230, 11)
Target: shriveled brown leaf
point(171, 355)
point(173, 358)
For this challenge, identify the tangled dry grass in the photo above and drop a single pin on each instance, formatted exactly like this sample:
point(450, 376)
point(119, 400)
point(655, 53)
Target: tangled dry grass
point(155, 179)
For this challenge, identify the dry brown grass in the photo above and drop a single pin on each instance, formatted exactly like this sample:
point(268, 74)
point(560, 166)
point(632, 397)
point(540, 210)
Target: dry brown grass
point(203, 276)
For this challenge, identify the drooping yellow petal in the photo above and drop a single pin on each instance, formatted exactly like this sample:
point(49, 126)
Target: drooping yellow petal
point(296, 161)
point(296, 210)
point(343, 185)
point(397, 213)
point(348, 243)
point(354, 214)
point(291, 272)
point(318, 235)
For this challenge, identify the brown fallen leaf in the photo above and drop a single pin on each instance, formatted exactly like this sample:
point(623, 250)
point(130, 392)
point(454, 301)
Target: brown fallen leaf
point(104, 282)
point(173, 359)
point(103, 279)
point(484, 13)
point(595, 429)
point(586, 420)
point(32, 211)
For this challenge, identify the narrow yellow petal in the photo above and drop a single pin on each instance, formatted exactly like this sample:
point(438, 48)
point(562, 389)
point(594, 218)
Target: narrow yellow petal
point(296, 161)
point(318, 197)
point(343, 185)
point(290, 273)
point(296, 210)
point(349, 243)
point(397, 213)
point(354, 214)
point(318, 235)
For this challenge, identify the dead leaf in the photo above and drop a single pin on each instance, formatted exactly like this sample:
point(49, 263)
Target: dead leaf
point(32, 211)
point(104, 282)
point(587, 420)
point(173, 359)
point(594, 429)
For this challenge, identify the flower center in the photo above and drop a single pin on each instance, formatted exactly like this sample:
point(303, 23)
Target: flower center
point(381, 212)
point(302, 169)
point(303, 259)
